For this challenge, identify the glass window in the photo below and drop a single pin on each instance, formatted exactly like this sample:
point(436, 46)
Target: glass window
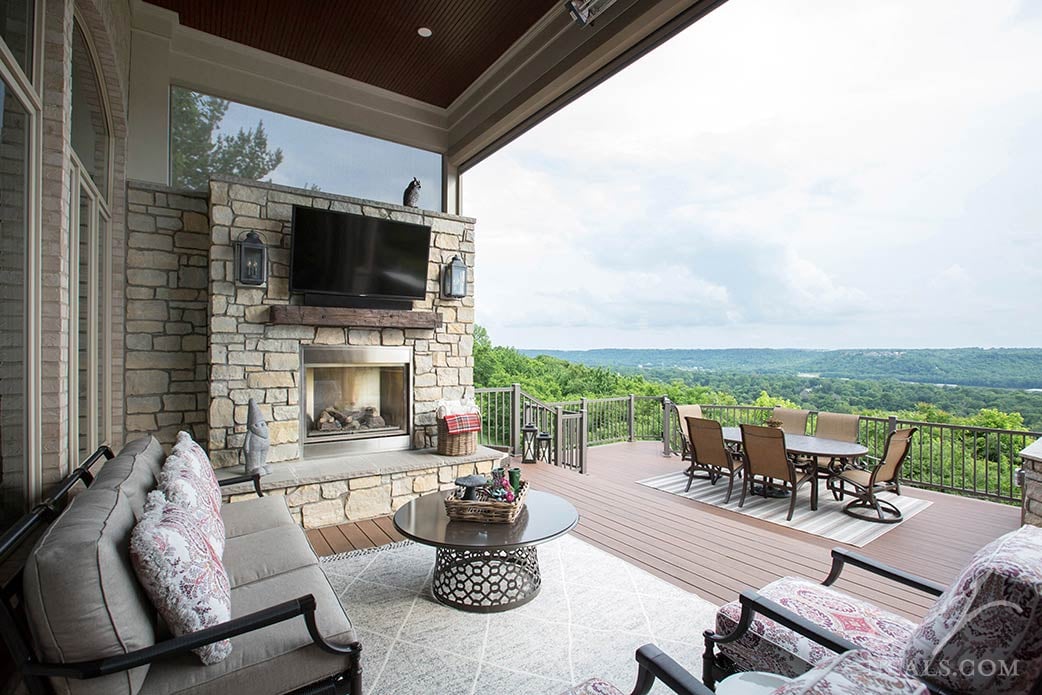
point(216, 136)
point(104, 353)
point(14, 139)
point(16, 29)
point(90, 129)
point(83, 314)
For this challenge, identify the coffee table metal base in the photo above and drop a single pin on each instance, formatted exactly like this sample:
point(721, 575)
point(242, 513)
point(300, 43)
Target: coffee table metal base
point(486, 581)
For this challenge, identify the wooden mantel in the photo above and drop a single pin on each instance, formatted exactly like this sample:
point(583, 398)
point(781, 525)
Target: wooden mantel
point(354, 318)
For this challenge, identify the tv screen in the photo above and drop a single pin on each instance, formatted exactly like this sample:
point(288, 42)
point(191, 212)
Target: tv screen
point(352, 255)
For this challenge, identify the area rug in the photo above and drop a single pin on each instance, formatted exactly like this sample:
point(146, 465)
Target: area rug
point(592, 613)
point(828, 521)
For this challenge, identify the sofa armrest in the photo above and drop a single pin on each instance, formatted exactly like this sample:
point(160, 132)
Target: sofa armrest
point(842, 557)
point(303, 606)
point(654, 663)
point(255, 479)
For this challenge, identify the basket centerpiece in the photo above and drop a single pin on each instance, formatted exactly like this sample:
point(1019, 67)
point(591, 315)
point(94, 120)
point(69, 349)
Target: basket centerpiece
point(495, 499)
point(771, 422)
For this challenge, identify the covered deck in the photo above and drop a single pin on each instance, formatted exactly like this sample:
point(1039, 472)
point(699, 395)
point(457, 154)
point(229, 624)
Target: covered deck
point(716, 553)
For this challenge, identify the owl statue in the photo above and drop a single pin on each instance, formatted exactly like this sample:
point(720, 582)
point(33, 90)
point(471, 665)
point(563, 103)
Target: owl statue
point(412, 194)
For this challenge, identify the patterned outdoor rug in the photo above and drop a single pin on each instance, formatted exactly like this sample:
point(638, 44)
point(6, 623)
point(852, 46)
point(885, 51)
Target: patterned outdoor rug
point(592, 613)
point(828, 521)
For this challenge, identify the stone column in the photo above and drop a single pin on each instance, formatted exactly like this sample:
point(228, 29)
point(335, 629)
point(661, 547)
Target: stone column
point(1031, 459)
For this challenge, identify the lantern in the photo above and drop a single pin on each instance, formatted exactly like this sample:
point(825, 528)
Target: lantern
point(251, 256)
point(543, 447)
point(454, 279)
point(528, 433)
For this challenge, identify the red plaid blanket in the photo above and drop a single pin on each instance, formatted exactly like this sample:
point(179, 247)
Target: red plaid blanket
point(461, 424)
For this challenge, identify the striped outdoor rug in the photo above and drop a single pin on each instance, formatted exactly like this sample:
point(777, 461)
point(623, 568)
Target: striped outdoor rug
point(828, 522)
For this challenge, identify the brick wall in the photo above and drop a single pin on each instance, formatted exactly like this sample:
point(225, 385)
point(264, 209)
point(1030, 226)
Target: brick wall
point(166, 353)
point(251, 358)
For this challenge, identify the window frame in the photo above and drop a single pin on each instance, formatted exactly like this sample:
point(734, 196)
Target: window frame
point(27, 90)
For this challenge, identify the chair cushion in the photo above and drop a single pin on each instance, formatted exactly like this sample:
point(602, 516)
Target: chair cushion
point(81, 597)
point(257, 514)
point(181, 572)
point(768, 646)
point(266, 553)
point(135, 471)
point(594, 686)
point(276, 659)
point(984, 634)
point(857, 672)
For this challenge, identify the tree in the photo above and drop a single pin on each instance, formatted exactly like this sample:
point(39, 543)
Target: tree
point(197, 153)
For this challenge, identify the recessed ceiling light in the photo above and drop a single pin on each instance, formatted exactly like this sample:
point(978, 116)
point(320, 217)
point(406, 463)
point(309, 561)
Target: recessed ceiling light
point(425, 32)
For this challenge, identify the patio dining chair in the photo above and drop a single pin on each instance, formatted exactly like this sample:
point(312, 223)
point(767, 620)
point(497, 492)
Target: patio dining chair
point(792, 421)
point(766, 457)
point(865, 485)
point(841, 427)
point(683, 413)
point(710, 454)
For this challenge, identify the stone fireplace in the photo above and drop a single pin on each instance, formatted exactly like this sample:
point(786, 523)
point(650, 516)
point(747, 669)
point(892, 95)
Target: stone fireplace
point(330, 382)
point(355, 399)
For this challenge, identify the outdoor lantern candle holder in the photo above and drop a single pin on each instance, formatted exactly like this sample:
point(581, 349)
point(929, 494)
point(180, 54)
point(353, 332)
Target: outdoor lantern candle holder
point(251, 256)
point(543, 452)
point(528, 434)
point(454, 279)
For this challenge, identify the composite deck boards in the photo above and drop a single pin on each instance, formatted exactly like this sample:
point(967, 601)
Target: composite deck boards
point(716, 553)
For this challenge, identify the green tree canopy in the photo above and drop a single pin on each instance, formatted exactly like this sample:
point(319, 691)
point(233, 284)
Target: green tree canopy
point(197, 153)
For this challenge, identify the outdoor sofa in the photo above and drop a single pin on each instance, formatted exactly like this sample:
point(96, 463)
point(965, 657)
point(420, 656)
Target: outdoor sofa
point(77, 621)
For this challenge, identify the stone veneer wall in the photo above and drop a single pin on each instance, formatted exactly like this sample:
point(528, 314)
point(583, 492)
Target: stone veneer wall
point(167, 278)
point(251, 358)
point(1031, 463)
point(314, 505)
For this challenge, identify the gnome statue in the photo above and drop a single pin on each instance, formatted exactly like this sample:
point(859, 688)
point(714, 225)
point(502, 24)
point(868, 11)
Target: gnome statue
point(256, 445)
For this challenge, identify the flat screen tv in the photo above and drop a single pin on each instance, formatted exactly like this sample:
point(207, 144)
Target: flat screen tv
point(337, 253)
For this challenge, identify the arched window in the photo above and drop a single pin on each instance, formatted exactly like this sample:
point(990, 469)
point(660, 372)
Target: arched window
point(90, 302)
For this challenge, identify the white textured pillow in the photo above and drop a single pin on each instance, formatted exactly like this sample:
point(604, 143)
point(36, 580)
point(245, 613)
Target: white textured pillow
point(181, 573)
point(187, 479)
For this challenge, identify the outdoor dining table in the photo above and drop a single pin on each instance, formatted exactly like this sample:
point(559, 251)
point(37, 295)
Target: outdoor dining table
point(806, 445)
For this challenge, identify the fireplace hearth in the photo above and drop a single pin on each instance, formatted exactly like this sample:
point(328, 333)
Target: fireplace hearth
point(355, 399)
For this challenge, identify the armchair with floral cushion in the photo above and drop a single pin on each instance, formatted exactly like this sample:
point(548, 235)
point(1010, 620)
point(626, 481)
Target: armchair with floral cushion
point(982, 635)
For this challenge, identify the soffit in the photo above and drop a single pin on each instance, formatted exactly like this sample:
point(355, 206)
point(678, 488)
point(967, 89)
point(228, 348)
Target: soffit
point(375, 41)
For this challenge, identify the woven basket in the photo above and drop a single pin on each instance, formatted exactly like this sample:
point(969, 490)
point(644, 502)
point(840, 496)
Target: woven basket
point(455, 444)
point(486, 512)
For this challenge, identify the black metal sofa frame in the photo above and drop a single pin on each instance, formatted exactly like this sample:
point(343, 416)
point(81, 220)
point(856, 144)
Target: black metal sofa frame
point(15, 631)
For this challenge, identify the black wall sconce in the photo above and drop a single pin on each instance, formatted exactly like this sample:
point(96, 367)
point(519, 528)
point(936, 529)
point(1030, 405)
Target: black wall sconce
point(454, 279)
point(251, 258)
point(528, 433)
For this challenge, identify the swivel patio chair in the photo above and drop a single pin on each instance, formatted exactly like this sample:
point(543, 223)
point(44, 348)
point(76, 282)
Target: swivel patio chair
point(983, 634)
point(867, 484)
point(710, 454)
point(765, 456)
point(683, 413)
point(792, 421)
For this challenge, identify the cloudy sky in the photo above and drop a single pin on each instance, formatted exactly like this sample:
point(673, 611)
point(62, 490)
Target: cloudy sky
point(786, 173)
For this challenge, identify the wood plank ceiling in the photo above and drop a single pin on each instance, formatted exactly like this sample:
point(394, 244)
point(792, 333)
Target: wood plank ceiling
point(375, 41)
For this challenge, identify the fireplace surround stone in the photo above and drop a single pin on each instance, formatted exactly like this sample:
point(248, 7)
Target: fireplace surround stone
point(252, 357)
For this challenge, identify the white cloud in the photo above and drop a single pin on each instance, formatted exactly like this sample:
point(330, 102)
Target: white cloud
point(792, 172)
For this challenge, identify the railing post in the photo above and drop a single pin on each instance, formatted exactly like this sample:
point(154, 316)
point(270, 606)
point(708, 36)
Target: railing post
point(584, 440)
point(632, 417)
point(558, 434)
point(515, 420)
point(667, 420)
point(891, 424)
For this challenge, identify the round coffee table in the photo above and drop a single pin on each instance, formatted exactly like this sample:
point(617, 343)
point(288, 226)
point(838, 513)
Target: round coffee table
point(486, 568)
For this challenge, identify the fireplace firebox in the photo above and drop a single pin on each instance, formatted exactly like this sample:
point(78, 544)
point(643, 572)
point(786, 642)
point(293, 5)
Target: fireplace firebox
point(355, 399)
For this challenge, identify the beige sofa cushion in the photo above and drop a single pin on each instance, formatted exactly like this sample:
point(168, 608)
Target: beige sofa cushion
point(135, 471)
point(277, 659)
point(82, 599)
point(266, 553)
point(252, 515)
